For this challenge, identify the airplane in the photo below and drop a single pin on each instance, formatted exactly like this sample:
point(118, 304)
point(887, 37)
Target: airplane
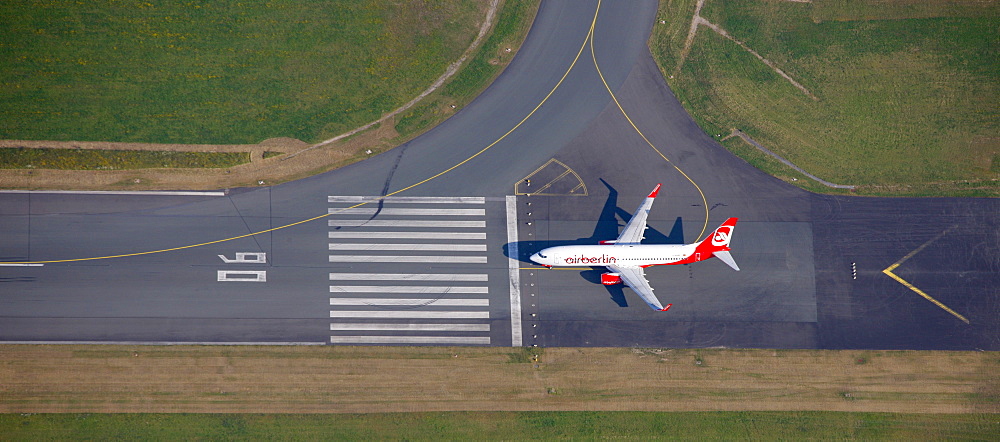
point(626, 256)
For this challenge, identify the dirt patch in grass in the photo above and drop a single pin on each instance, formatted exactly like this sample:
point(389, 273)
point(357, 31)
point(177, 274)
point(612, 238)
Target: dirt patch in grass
point(384, 379)
point(259, 167)
point(105, 159)
point(266, 167)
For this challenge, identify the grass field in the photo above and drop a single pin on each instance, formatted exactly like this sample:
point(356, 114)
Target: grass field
point(504, 426)
point(905, 91)
point(92, 159)
point(107, 391)
point(224, 71)
point(330, 379)
point(497, 51)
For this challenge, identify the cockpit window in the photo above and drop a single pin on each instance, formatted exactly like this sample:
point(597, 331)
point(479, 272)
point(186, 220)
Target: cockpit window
point(541, 255)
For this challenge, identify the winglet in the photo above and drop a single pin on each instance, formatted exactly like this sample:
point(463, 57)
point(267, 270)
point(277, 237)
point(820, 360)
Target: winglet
point(655, 191)
point(666, 308)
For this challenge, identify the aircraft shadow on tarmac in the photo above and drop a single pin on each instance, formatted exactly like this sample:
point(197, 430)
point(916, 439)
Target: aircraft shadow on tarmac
point(607, 228)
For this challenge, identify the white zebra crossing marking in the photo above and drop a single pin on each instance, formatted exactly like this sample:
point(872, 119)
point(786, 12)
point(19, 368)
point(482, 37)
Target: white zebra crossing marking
point(409, 199)
point(417, 308)
point(405, 223)
point(409, 258)
point(391, 211)
point(485, 340)
point(409, 302)
point(408, 314)
point(407, 235)
point(368, 326)
point(415, 247)
point(404, 289)
point(409, 277)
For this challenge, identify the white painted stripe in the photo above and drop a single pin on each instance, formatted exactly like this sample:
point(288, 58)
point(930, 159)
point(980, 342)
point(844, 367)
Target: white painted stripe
point(411, 302)
point(393, 211)
point(20, 264)
point(242, 343)
point(407, 235)
point(415, 247)
point(242, 275)
point(408, 277)
point(414, 258)
point(410, 199)
point(244, 258)
point(404, 289)
point(404, 223)
point(485, 340)
point(408, 314)
point(411, 327)
point(514, 269)
point(119, 192)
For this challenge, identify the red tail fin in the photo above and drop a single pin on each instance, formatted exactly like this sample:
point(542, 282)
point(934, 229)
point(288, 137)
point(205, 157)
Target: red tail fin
point(717, 245)
point(719, 239)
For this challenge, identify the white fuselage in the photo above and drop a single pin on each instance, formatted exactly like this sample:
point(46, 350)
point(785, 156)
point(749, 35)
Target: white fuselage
point(629, 255)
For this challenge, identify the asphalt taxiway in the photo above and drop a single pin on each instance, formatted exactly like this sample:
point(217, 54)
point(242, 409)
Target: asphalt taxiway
point(431, 265)
point(816, 270)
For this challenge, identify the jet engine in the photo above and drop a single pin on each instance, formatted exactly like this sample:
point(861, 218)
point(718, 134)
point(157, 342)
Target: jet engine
point(611, 278)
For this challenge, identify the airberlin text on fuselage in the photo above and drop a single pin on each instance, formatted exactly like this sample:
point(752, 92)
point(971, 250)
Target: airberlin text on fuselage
point(603, 259)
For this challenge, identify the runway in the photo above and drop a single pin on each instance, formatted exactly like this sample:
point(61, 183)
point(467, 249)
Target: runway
point(442, 260)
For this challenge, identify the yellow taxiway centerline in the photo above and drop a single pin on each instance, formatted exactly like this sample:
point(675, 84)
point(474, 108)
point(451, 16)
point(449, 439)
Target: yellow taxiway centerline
point(888, 272)
point(488, 147)
point(704, 200)
point(589, 39)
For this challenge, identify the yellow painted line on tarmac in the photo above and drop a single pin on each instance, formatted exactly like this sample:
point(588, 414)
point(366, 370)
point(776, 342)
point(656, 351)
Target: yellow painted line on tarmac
point(919, 249)
point(173, 249)
point(527, 178)
point(568, 171)
point(704, 200)
point(502, 137)
point(888, 272)
point(550, 183)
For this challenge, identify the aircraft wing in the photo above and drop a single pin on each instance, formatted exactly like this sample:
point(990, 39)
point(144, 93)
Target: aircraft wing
point(633, 233)
point(634, 277)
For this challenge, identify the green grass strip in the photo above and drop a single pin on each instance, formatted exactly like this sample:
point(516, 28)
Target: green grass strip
point(503, 426)
point(88, 159)
point(220, 71)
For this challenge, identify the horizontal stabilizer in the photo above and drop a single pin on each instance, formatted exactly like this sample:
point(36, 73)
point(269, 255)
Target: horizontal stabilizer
point(725, 257)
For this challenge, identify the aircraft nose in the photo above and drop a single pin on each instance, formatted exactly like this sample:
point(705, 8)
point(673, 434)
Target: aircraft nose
point(540, 259)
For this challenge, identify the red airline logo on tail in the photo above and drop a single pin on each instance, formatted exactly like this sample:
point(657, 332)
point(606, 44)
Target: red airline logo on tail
point(721, 237)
